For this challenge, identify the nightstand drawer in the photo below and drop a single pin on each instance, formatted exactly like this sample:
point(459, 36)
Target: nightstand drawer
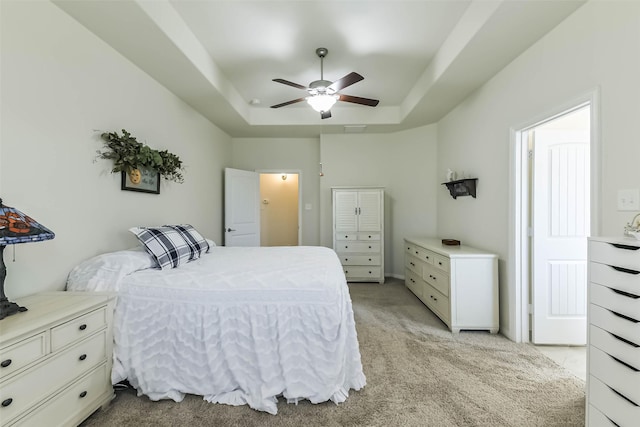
point(27, 389)
point(67, 404)
point(21, 354)
point(78, 328)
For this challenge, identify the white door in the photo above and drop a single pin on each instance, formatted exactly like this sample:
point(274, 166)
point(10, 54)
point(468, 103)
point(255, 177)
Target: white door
point(241, 208)
point(560, 219)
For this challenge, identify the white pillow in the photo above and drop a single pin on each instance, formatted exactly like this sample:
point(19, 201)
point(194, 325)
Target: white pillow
point(105, 272)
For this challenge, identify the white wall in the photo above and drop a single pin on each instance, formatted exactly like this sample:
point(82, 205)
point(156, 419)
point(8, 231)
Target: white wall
point(404, 163)
point(287, 154)
point(594, 49)
point(59, 84)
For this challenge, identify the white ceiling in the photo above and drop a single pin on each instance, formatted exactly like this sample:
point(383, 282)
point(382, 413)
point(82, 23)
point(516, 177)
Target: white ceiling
point(419, 58)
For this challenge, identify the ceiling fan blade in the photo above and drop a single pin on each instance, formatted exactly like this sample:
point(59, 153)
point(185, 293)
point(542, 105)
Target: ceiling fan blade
point(288, 83)
point(325, 114)
point(357, 100)
point(347, 80)
point(288, 103)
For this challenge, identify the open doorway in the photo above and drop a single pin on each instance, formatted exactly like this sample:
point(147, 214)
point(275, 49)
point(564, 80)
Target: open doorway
point(554, 193)
point(280, 208)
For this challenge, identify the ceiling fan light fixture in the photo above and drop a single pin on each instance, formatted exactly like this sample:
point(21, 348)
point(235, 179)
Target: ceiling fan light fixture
point(322, 102)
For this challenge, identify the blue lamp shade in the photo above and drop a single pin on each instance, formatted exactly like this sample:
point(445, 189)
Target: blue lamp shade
point(16, 227)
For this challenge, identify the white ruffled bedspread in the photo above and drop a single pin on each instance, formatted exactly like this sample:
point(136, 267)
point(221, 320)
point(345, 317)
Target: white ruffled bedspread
point(240, 326)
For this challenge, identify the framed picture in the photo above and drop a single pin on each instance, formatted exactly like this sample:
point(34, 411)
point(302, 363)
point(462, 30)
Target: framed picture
point(143, 179)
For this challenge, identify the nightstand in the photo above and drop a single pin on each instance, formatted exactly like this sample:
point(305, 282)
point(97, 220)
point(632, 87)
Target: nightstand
point(55, 359)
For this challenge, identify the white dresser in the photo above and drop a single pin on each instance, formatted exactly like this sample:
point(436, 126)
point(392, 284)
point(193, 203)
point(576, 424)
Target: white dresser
point(613, 357)
point(458, 283)
point(55, 359)
point(358, 232)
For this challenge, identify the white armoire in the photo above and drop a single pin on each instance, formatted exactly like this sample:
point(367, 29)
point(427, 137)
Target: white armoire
point(358, 232)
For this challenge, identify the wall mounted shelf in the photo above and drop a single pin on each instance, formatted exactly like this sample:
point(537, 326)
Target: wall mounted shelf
point(462, 187)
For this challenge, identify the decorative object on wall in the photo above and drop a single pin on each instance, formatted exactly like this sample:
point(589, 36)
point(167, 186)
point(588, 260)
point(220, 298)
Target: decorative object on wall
point(144, 180)
point(462, 187)
point(16, 227)
point(131, 157)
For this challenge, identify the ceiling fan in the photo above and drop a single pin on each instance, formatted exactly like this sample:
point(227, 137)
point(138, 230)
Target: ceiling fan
point(323, 93)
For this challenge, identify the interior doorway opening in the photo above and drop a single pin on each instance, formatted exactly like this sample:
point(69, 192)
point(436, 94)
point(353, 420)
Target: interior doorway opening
point(280, 208)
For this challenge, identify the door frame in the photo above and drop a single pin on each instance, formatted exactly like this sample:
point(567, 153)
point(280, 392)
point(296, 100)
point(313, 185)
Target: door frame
point(518, 267)
point(299, 173)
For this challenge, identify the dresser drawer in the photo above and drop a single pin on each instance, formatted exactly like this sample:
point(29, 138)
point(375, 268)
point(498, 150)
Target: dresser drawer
point(618, 301)
point(616, 324)
point(615, 254)
point(368, 236)
point(625, 350)
point(612, 405)
point(360, 259)
point(61, 410)
point(441, 262)
point(623, 279)
point(20, 354)
point(413, 264)
point(437, 279)
point(624, 379)
point(425, 255)
point(413, 282)
point(410, 248)
point(78, 328)
point(25, 390)
point(373, 247)
point(358, 272)
point(436, 301)
point(346, 236)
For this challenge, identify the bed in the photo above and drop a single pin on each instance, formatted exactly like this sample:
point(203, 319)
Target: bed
point(236, 325)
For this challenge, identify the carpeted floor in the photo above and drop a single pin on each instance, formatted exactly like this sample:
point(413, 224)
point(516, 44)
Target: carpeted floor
point(418, 374)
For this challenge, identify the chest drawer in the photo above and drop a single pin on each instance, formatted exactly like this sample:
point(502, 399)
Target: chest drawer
point(20, 354)
point(359, 272)
point(617, 301)
point(78, 328)
point(617, 324)
point(611, 404)
point(368, 236)
point(27, 389)
point(618, 347)
point(360, 259)
point(346, 236)
point(621, 278)
point(620, 377)
point(373, 247)
point(621, 255)
point(413, 264)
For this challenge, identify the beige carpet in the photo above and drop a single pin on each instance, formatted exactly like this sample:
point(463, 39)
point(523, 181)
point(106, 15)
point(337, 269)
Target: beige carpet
point(418, 374)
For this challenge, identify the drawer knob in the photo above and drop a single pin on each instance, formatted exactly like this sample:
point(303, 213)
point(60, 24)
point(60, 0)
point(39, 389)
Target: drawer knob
point(369, 247)
point(369, 236)
point(346, 259)
point(369, 272)
point(346, 237)
point(369, 259)
point(83, 327)
point(439, 263)
point(346, 247)
point(627, 247)
point(83, 394)
point(6, 402)
point(6, 363)
point(82, 357)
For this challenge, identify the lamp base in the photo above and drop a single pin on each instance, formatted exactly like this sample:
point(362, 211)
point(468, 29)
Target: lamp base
point(8, 308)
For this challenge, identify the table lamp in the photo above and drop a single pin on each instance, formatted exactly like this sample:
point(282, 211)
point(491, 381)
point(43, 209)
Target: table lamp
point(16, 227)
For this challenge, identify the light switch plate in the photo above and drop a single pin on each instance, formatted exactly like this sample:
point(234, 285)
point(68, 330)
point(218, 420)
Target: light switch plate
point(629, 200)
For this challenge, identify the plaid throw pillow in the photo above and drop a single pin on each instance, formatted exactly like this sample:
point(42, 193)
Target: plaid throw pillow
point(165, 245)
point(196, 242)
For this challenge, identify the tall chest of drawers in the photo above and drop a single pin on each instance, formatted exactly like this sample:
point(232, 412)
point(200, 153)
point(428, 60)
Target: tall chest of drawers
point(613, 355)
point(459, 284)
point(55, 359)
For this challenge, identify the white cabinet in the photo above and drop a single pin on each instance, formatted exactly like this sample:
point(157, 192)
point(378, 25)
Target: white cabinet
point(358, 232)
point(55, 359)
point(458, 283)
point(613, 356)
